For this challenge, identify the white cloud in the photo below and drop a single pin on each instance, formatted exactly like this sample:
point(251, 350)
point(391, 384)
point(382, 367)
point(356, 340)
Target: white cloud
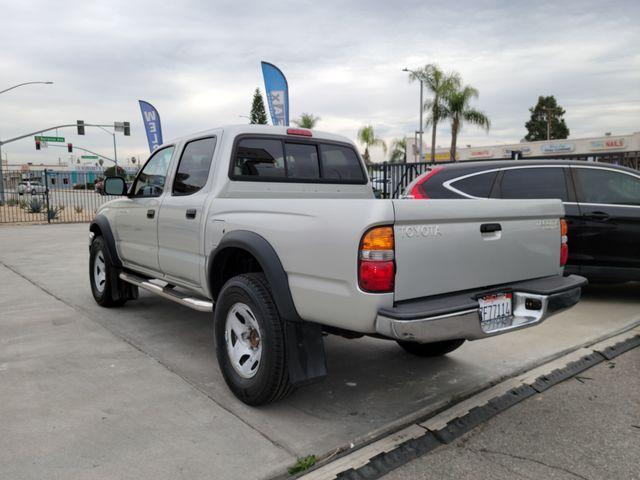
point(198, 62)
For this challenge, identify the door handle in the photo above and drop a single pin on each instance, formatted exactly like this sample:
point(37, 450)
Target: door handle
point(490, 227)
point(151, 213)
point(602, 216)
point(191, 213)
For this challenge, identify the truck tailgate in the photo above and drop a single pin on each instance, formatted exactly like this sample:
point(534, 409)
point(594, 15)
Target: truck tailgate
point(444, 246)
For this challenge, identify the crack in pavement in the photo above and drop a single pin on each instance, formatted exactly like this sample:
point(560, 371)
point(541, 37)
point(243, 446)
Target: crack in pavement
point(527, 459)
point(86, 315)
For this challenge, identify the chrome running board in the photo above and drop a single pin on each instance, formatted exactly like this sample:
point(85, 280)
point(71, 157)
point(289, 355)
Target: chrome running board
point(199, 304)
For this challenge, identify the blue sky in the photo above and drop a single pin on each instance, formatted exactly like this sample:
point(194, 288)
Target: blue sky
point(198, 62)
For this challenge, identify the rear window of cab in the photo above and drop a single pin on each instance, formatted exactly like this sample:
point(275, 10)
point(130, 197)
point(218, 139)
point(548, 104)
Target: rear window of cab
point(278, 159)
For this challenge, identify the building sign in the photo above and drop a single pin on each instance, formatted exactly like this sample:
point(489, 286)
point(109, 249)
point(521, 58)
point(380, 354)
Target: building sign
point(440, 157)
point(524, 150)
point(557, 148)
point(484, 153)
point(608, 144)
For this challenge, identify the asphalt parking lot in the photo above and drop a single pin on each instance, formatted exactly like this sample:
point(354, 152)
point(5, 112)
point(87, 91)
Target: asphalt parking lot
point(136, 392)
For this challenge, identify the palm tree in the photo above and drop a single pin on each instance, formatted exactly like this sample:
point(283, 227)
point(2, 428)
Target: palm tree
point(367, 137)
point(439, 84)
point(398, 150)
point(307, 120)
point(458, 110)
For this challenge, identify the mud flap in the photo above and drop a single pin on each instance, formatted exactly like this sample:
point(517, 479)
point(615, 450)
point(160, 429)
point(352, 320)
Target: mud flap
point(305, 352)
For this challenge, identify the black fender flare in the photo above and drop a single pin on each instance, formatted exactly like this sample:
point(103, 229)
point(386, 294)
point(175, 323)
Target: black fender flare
point(270, 263)
point(304, 342)
point(100, 224)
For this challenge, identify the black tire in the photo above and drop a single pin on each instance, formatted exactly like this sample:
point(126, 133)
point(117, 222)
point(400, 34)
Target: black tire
point(435, 349)
point(107, 294)
point(270, 382)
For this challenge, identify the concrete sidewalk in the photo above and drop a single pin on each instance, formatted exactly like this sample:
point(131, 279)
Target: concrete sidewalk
point(78, 402)
point(585, 428)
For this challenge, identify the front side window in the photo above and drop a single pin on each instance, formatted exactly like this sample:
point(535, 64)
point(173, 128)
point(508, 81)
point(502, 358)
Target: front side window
point(150, 181)
point(476, 185)
point(194, 166)
point(596, 185)
point(534, 183)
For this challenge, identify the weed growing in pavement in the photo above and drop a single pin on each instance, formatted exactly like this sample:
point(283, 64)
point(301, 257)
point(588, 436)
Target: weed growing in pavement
point(302, 464)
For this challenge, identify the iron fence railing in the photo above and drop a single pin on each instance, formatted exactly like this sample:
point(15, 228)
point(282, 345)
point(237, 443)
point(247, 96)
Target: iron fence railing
point(47, 196)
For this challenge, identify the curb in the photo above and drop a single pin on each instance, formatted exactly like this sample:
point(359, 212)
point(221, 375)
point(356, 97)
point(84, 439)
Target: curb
point(382, 456)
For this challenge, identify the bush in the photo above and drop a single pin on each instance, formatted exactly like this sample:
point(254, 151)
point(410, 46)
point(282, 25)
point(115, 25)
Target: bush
point(12, 202)
point(52, 213)
point(61, 207)
point(35, 206)
point(22, 203)
point(77, 209)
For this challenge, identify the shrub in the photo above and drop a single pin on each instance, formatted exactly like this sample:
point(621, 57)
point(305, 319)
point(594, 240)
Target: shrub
point(35, 206)
point(52, 213)
point(22, 203)
point(12, 202)
point(77, 209)
point(61, 207)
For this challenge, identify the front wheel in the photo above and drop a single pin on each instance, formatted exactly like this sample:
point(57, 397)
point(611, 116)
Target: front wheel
point(434, 349)
point(103, 276)
point(249, 339)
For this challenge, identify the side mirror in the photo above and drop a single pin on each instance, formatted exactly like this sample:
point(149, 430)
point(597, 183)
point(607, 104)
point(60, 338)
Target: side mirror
point(115, 186)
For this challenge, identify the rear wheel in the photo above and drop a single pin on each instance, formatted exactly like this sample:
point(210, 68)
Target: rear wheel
point(435, 349)
point(249, 339)
point(103, 276)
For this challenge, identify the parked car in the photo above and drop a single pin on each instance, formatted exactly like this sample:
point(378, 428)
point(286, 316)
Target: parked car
point(31, 186)
point(601, 201)
point(278, 229)
point(98, 186)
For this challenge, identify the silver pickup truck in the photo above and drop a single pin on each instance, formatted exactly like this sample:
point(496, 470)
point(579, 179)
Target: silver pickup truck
point(276, 232)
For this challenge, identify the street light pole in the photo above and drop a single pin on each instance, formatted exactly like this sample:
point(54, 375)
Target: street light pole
point(421, 111)
point(1, 92)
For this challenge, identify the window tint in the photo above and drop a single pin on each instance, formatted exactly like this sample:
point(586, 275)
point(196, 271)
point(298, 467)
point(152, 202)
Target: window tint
point(340, 163)
point(476, 185)
point(150, 181)
point(606, 186)
point(193, 169)
point(534, 183)
point(302, 160)
point(260, 158)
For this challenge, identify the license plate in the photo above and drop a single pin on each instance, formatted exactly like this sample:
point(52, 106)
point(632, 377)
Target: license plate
point(495, 312)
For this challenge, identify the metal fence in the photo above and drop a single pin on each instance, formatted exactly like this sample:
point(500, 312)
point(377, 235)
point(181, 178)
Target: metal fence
point(47, 196)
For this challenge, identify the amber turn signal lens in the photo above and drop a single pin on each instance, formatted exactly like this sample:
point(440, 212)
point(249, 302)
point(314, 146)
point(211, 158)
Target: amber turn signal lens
point(564, 229)
point(378, 238)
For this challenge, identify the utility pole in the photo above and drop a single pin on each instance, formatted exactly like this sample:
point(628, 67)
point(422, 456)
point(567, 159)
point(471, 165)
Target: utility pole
point(419, 77)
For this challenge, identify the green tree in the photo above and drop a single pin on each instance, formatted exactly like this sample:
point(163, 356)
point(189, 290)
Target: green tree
point(439, 84)
point(458, 109)
point(307, 120)
point(111, 172)
point(546, 122)
point(367, 137)
point(258, 113)
point(398, 150)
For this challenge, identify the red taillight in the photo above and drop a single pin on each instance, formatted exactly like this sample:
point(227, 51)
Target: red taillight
point(564, 247)
point(376, 265)
point(300, 131)
point(416, 191)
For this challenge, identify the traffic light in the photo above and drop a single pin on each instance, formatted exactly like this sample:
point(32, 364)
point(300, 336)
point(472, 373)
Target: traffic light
point(127, 129)
point(37, 144)
point(69, 147)
point(80, 127)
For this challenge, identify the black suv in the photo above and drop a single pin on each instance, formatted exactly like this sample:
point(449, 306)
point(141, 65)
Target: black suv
point(601, 201)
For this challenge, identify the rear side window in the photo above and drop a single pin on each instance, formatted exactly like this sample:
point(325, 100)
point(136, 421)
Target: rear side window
point(259, 158)
point(476, 185)
point(596, 185)
point(285, 159)
point(340, 163)
point(194, 166)
point(534, 183)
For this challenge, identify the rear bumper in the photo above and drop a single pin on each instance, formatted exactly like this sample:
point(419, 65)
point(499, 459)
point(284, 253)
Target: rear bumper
point(457, 316)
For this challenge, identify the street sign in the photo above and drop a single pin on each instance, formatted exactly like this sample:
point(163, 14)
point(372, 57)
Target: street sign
point(49, 139)
point(89, 157)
